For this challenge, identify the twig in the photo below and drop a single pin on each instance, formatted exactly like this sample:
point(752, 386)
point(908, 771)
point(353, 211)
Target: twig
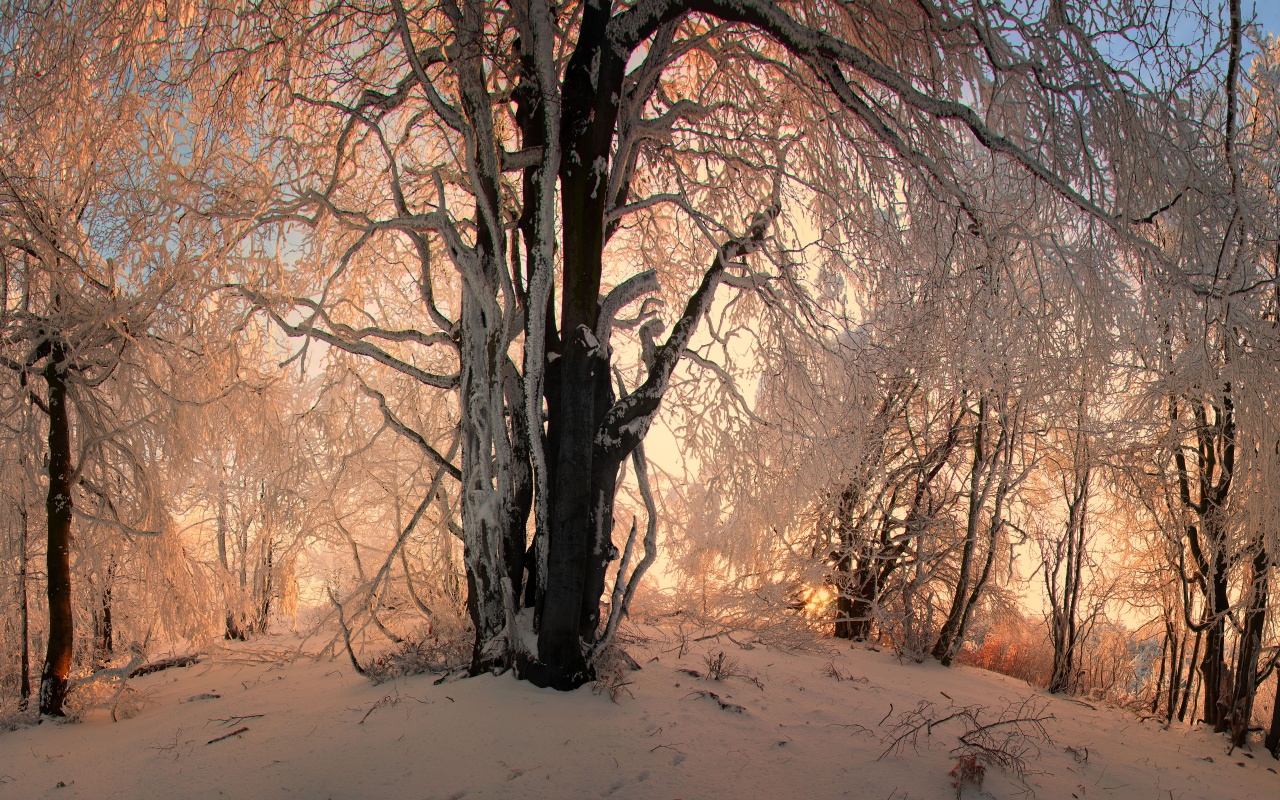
point(234, 720)
point(888, 714)
point(236, 732)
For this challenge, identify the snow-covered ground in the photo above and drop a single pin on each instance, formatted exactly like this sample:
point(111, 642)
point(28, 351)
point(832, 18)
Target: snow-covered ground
point(816, 726)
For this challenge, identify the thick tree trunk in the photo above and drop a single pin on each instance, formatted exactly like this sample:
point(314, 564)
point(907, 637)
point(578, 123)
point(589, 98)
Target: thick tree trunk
point(853, 583)
point(57, 663)
point(486, 495)
point(561, 651)
point(589, 112)
point(853, 616)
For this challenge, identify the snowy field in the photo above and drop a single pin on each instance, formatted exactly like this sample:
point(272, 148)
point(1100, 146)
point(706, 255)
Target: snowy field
point(778, 725)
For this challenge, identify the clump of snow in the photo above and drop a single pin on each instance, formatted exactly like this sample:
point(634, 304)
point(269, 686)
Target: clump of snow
point(778, 724)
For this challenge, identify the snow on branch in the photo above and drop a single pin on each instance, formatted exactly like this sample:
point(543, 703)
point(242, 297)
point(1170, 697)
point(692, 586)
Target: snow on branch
point(628, 420)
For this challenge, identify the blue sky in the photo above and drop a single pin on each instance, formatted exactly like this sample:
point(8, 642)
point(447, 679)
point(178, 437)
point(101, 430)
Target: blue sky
point(1268, 12)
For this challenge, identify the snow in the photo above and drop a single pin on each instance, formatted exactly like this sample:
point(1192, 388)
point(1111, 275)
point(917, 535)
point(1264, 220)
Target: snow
point(317, 730)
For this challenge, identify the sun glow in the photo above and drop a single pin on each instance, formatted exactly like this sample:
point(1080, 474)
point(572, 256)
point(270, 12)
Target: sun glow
point(817, 599)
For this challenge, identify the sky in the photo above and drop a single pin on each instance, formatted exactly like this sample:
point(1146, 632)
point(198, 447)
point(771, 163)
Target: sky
point(1268, 14)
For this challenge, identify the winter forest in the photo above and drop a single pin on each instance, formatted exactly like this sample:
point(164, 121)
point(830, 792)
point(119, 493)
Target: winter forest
point(457, 336)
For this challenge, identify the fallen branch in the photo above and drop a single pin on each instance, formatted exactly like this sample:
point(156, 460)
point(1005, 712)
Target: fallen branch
point(236, 732)
point(163, 664)
point(734, 707)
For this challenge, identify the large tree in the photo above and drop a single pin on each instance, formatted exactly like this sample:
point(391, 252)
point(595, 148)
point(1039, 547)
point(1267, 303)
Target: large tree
point(518, 175)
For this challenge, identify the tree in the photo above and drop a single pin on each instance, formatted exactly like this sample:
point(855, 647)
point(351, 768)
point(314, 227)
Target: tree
point(501, 157)
point(94, 258)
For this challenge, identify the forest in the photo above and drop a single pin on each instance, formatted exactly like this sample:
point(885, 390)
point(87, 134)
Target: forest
point(455, 334)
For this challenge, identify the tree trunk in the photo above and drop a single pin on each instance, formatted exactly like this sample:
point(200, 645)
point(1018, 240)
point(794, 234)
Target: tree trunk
point(987, 470)
point(1250, 647)
point(266, 587)
point(1178, 655)
point(1213, 666)
point(1273, 733)
point(1190, 688)
point(1165, 647)
point(103, 634)
point(1067, 615)
point(24, 611)
point(57, 663)
point(944, 648)
point(578, 517)
point(233, 631)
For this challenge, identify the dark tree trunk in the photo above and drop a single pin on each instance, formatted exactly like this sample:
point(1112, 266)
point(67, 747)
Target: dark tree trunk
point(57, 663)
point(854, 587)
point(1066, 614)
point(986, 468)
point(1250, 648)
point(853, 616)
point(560, 649)
point(1178, 652)
point(589, 112)
point(24, 611)
point(944, 648)
point(103, 634)
point(1273, 733)
point(1213, 666)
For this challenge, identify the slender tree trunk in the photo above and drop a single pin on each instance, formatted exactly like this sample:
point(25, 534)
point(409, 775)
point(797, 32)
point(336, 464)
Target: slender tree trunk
point(1191, 686)
point(1164, 663)
point(24, 612)
point(944, 648)
point(1066, 617)
point(233, 631)
point(1175, 673)
point(266, 584)
point(103, 634)
point(57, 663)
